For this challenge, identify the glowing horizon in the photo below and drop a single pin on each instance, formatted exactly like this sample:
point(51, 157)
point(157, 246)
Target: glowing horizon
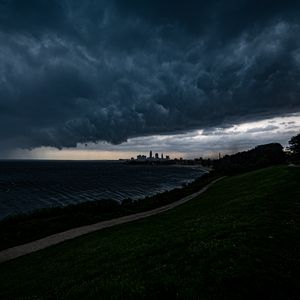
point(196, 143)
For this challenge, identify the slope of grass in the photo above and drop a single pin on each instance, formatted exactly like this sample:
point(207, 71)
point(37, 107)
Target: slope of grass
point(240, 240)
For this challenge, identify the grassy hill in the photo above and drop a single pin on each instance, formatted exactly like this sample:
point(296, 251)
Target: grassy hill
point(240, 240)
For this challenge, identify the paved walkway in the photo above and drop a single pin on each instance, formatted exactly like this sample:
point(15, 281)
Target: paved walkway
point(57, 238)
point(294, 166)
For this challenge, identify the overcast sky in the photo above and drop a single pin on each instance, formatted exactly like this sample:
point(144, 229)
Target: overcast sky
point(186, 77)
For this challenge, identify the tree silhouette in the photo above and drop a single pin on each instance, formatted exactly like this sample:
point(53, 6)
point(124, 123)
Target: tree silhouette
point(260, 157)
point(295, 147)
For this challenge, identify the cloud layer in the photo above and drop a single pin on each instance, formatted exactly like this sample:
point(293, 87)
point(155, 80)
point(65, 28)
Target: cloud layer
point(77, 72)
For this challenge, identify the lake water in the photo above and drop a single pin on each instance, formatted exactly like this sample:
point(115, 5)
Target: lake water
point(29, 185)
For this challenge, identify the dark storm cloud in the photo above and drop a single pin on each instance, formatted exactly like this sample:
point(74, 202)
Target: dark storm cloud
point(75, 72)
point(223, 18)
point(34, 15)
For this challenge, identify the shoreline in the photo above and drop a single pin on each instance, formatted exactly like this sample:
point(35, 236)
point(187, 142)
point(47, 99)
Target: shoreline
point(23, 228)
point(21, 250)
point(29, 188)
point(138, 197)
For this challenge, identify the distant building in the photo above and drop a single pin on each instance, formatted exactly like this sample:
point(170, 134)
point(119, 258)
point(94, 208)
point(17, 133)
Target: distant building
point(162, 156)
point(141, 157)
point(150, 154)
point(156, 156)
point(167, 157)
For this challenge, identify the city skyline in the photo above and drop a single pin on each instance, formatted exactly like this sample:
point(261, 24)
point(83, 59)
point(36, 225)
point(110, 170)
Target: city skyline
point(156, 156)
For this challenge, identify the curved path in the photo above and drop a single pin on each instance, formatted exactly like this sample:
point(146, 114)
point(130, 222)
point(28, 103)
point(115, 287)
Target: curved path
point(57, 238)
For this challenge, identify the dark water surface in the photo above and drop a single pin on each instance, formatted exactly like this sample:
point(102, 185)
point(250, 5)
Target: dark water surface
point(30, 185)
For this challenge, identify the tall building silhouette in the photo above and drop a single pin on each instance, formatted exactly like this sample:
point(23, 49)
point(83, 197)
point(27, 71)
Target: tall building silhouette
point(150, 155)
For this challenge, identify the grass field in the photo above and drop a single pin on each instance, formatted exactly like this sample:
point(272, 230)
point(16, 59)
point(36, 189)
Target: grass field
point(240, 240)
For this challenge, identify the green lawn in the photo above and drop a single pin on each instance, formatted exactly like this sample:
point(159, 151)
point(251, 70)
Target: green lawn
point(240, 240)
